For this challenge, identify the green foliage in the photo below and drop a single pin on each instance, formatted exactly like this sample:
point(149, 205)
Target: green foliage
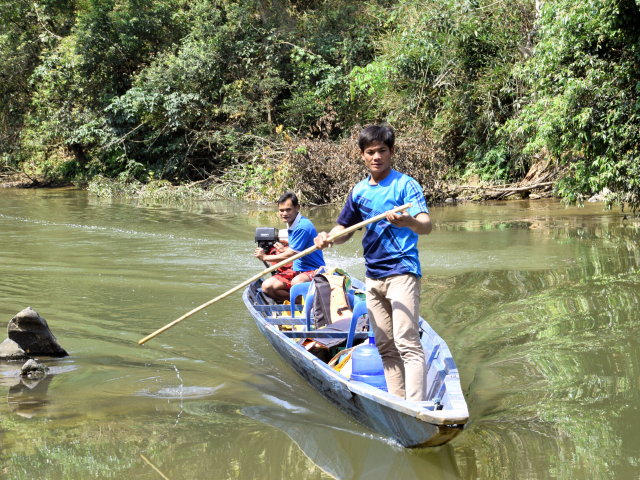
point(193, 107)
point(114, 38)
point(69, 133)
point(26, 29)
point(330, 40)
point(449, 68)
point(248, 180)
point(493, 165)
point(366, 89)
point(314, 80)
point(583, 104)
point(176, 90)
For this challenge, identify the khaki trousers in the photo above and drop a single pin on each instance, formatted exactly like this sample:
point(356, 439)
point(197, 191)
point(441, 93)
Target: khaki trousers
point(393, 304)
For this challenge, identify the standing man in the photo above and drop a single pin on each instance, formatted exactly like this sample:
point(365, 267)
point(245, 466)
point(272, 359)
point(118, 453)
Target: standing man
point(391, 257)
point(301, 234)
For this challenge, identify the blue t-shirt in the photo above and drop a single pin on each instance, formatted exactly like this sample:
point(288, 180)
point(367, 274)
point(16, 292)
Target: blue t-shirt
point(388, 250)
point(301, 235)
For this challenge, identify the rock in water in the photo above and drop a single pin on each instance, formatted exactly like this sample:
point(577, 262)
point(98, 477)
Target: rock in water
point(29, 330)
point(10, 350)
point(33, 369)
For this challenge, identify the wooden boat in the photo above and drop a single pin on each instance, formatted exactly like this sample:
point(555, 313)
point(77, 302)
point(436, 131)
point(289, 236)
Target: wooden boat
point(432, 422)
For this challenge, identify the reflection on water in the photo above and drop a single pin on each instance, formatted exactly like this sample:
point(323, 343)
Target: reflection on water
point(537, 302)
point(27, 397)
point(554, 375)
point(347, 454)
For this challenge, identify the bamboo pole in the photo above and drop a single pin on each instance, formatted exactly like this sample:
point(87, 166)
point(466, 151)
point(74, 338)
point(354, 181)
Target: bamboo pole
point(301, 254)
point(157, 470)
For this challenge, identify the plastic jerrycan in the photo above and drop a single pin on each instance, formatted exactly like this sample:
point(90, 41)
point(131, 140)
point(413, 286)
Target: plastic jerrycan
point(366, 364)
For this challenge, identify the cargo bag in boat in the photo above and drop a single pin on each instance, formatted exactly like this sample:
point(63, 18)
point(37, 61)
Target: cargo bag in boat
point(330, 302)
point(330, 310)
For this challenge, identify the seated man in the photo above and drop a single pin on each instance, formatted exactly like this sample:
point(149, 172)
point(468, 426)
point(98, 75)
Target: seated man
point(301, 234)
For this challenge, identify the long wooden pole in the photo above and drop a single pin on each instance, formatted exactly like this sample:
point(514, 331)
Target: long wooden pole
point(157, 470)
point(301, 254)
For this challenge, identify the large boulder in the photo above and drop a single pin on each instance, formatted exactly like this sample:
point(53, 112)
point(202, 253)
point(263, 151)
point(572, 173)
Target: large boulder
point(31, 332)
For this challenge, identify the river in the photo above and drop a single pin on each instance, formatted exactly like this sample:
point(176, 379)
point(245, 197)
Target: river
point(538, 303)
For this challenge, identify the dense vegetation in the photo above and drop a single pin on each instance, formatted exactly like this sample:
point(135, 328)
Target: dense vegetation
point(249, 95)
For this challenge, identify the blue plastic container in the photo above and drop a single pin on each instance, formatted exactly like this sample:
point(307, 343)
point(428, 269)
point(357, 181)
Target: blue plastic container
point(366, 365)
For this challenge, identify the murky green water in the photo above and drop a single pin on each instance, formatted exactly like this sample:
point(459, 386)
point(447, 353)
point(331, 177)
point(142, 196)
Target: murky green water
point(538, 303)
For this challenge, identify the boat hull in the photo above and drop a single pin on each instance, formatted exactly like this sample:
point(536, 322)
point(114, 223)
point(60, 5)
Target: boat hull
point(409, 424)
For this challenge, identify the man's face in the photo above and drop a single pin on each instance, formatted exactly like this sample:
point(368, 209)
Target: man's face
point(377, 158)
point(287, 211)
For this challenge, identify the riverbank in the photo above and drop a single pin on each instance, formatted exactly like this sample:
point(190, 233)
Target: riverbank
point(454, 193)
point(158, 190)
point(317, 171)
point(10, 179)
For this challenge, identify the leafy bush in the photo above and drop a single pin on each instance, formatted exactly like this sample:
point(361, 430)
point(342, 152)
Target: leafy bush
point(184, 91)
point(583, 104)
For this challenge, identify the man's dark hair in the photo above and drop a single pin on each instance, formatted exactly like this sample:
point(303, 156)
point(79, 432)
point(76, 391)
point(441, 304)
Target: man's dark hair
point(289, 196)
point(376, 134)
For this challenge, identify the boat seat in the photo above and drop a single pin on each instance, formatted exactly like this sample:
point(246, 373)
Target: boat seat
point(351, 298)
point(298, 290)
point(308, 302)
point(359, 310)
point(345, 328)
point(338, 330)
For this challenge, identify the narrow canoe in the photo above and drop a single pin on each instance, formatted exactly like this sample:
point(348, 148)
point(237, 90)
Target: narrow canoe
point(432, 422)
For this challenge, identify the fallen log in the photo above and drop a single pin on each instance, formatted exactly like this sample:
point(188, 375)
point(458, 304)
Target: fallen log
point(498, 192)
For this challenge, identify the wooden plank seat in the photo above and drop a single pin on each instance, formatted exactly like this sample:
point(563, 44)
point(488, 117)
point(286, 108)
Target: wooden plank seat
point(276, 307)
point(286, 320)
point(274, 314)
point(316, 334)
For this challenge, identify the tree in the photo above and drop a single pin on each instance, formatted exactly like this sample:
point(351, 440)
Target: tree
point(26, 29)
point(583, 105)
